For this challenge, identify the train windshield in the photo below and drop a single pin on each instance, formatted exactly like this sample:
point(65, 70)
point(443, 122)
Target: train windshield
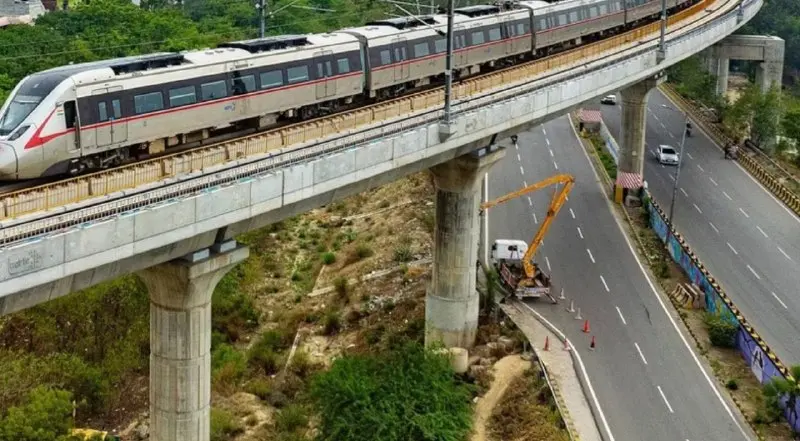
point(29, 95)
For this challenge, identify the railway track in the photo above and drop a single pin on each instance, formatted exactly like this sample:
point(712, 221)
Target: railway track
point(21, 205)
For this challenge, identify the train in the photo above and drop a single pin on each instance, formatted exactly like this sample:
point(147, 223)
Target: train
point(85, 117)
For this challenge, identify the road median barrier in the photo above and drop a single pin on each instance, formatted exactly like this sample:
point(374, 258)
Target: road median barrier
point(765, 177)
point(763, 362)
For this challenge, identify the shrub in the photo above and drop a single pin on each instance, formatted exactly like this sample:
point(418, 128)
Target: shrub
point(392, 396)
point(341, 287)
point(260, 388)
point(332, 322)
point(264, 354)
point(402, 253)
point(47, 415)
point(328, 258)
point(291, 418)
point(224, 426)
point(721, 332)
point(234, 312)
point(227, 365)
point(363, 251)
point(732, 384)
point(301, 364)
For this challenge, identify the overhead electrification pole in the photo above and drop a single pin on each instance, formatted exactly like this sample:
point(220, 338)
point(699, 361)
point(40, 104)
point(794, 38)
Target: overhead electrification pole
point(448, 70)
point(680, 163)
point(662, 45)
point(262, 11)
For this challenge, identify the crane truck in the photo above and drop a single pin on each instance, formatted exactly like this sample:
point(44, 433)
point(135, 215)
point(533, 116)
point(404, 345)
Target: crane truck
point(513, 258)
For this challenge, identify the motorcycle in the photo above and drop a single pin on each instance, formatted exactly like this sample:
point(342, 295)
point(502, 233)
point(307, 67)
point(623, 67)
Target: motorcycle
point(731, 153)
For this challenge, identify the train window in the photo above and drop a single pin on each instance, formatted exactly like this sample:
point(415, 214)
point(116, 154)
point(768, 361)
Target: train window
point(477, 38)
point(460, 41)
point(386, 57)
point(521, 29)
point(148, 102)
point(542, 24)
point(421, 50)
point(573, 17)
point(494, 34)
point(440, 45)
point(618, 6)
point(343, 64)
point(243, 85)
point(603, 9)
point(272, 78)
point(115, 106)
point(213, 91)
point(297, 74)
point(70, 114)
point(400, 54)
point(182, 96)
point(562, 19)
point(510, 30)
point(102, 112)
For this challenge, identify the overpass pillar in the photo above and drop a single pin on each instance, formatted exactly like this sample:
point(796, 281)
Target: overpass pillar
point(180, 340)
point(723, 68)
point(452, 302)
point(634, 118)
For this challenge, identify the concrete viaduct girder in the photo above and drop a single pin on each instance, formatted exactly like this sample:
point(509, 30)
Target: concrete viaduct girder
point(766, 49)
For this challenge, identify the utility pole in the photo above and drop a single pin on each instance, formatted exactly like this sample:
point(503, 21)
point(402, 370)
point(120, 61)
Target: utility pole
point(448, 70)
point(262, 12)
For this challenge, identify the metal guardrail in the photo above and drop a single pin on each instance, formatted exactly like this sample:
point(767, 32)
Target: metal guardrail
point(775, 185)
point(222, 174)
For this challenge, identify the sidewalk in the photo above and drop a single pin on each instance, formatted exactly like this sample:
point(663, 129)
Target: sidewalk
point(563, 373)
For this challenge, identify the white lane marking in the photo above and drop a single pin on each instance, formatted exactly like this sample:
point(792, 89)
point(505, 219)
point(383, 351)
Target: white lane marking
point(784, 253)
point(754, 272)
point(536, 221)
point(726, 195)
point(547, 140)
point(572, 213)
point(671, 135)
point(555, 164)
point(684, 192)
point(516, 146)
point(732, 248)
point(689, 155)
point(605, 285)
point(672, 177)
point(521, 170)
point(585, 375)
point(779, 300)
point(701, 168)
point(665, 399)
point(713, 181)
point(744, 213)
point(590, 254)
point(530, 202)
point(711, 383)
point(519, 158)
point(524, 183)
point(662, 125)
point(566, 198)
point(762, 231)
point(638, 349)
point(547, 261)
point(712, 226)
point(544, 131)
point(620, 316)
point(698, 209)
point(580, 233)
point(551, 153)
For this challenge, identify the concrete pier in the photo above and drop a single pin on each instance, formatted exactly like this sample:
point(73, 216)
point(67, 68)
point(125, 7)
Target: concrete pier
point(452, 302)
point(767, 50)
point(180, 341)
point(634, 117)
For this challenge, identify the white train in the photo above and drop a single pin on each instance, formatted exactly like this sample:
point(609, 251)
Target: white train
point(90, 116)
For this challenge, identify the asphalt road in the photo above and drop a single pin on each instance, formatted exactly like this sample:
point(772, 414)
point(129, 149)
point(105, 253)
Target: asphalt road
point(747, 239)
point(649, 383)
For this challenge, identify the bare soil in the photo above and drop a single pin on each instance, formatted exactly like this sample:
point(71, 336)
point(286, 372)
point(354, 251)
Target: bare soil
point(505, 371)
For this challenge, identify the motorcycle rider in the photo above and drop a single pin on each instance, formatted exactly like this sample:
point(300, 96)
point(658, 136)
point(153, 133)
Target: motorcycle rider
point(688, 128)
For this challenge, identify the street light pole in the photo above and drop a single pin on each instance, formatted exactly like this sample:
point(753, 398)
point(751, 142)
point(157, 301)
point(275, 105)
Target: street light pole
point(677, 172)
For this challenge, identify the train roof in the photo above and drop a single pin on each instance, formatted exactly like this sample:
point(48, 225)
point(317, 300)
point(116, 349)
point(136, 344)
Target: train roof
point(535, 4)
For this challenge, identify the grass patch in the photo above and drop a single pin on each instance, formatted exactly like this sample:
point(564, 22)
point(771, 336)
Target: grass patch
point(605, 157)
point(408, 394)
point(224, 426)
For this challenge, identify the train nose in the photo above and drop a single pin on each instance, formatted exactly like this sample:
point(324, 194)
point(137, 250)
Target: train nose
point(9, 164)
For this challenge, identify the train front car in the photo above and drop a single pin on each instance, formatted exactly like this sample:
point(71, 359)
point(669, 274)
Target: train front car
point(36, 122)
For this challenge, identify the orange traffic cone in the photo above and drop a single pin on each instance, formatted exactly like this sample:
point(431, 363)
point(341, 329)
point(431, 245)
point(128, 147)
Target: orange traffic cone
point(586, 326)
point(546, 342)
point(591, 345)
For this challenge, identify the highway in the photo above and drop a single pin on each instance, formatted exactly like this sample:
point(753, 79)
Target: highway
point(746, 238)
point(647, 379)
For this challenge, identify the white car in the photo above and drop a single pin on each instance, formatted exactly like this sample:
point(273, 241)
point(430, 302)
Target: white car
point(609, 99)
point(667, 155)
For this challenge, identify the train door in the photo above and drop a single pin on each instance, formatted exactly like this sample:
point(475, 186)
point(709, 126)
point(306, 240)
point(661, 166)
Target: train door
point(512, 44)
point(323, 63)
point(402, 70)
point(110, 128)
point(460, 52)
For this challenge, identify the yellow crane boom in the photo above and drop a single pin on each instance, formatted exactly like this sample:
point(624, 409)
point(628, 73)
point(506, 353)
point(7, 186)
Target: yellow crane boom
point(555, 205)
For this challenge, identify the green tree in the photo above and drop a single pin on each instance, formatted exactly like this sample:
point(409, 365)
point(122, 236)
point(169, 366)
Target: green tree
point(780, 387)
point(46, 416)
point(791, 124)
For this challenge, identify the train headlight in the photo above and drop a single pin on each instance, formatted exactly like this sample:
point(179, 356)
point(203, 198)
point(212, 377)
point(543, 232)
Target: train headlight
point(20, 131)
